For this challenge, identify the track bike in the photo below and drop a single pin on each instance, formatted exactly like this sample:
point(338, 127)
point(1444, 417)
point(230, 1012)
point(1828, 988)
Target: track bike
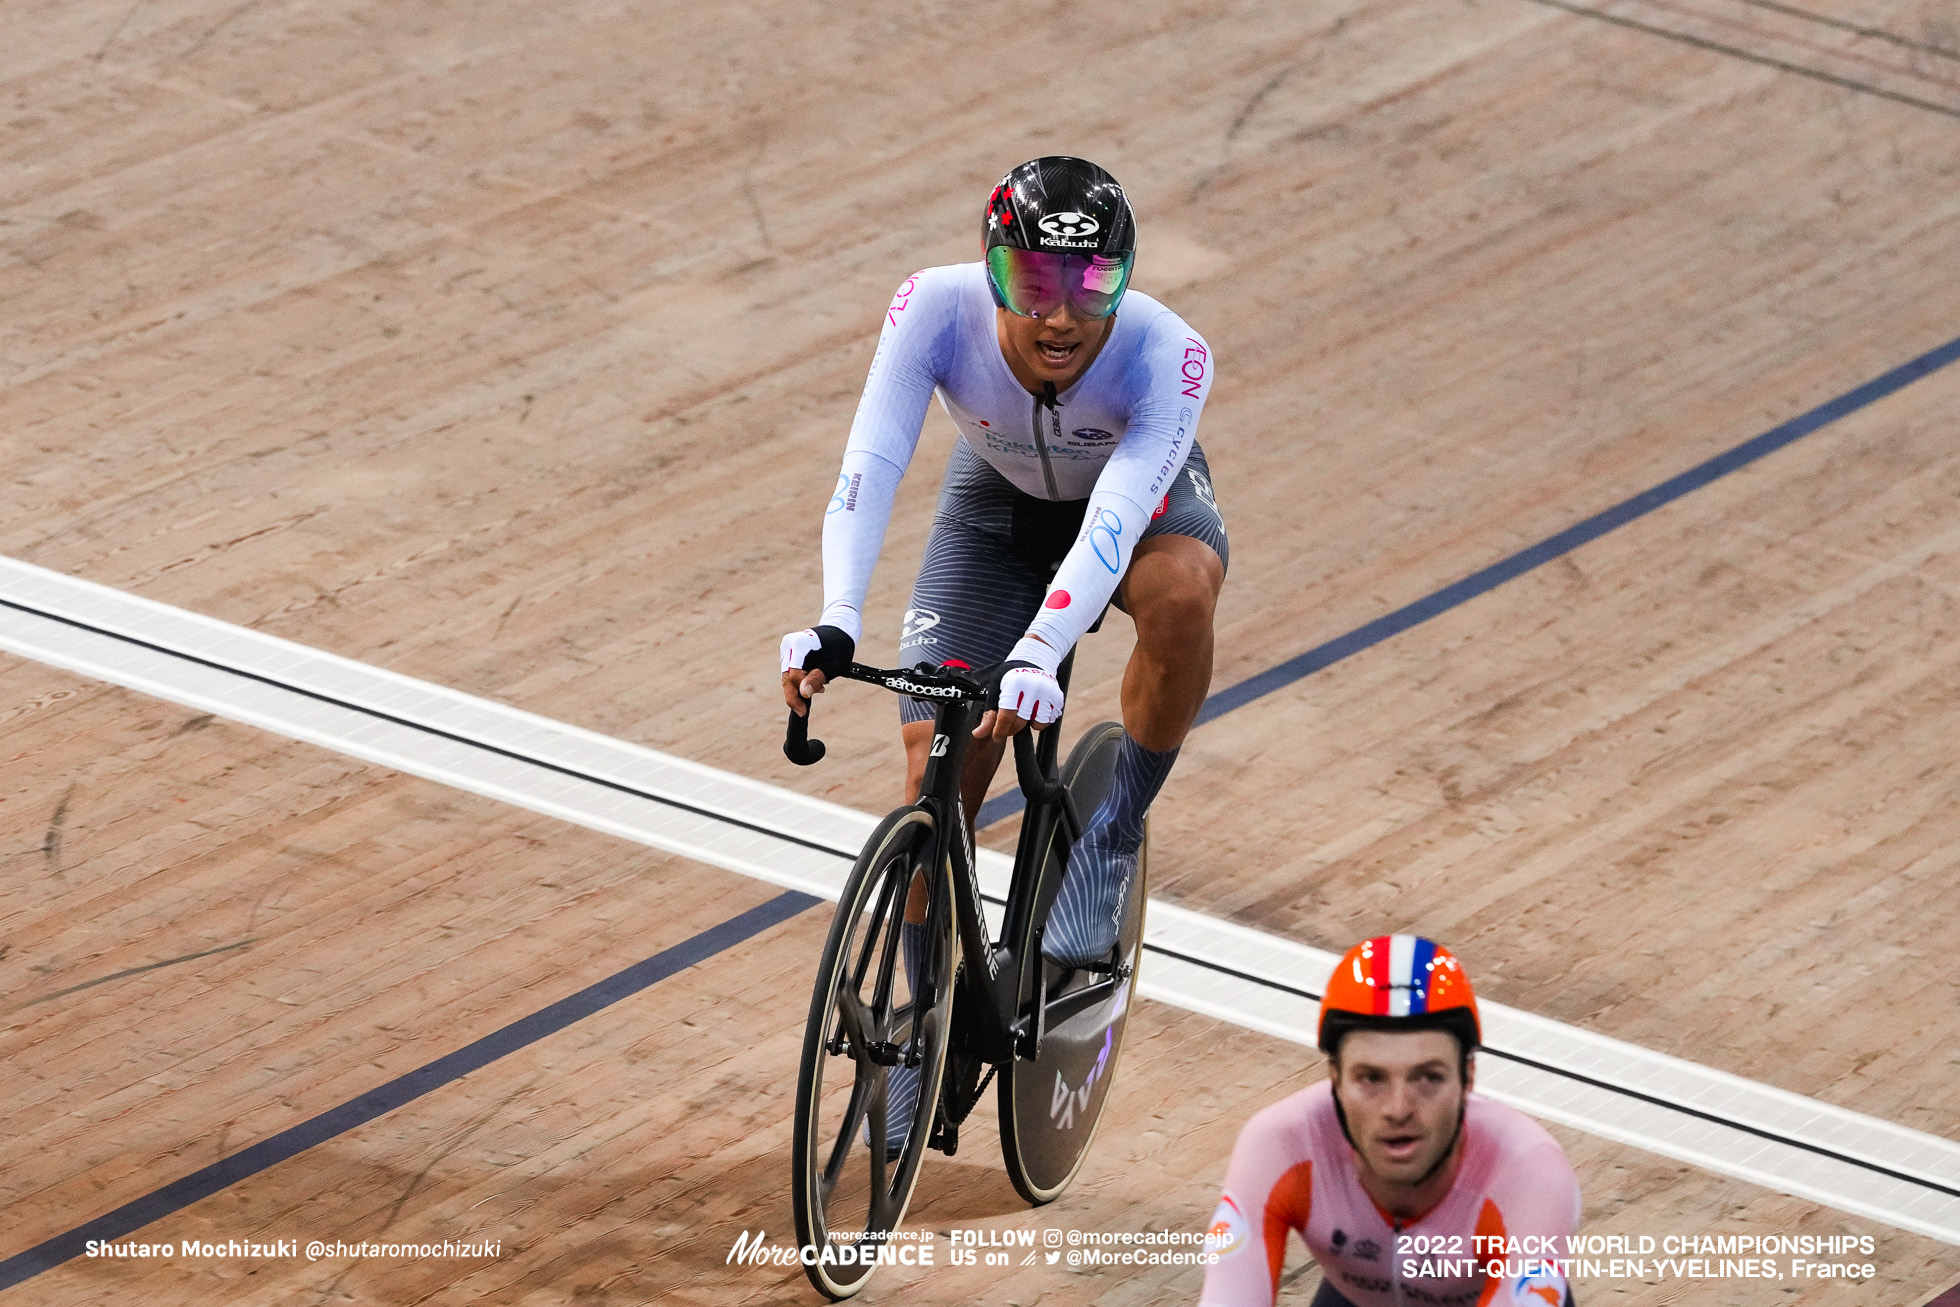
point(969, 1008)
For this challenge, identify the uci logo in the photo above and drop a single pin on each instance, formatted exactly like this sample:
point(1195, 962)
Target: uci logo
point(1070, 225)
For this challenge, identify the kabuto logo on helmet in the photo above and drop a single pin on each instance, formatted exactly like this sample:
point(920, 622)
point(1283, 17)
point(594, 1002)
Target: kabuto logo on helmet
point(1070, 225)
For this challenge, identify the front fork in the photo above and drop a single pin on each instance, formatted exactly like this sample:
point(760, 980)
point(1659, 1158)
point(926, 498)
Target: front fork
point(1003, 992)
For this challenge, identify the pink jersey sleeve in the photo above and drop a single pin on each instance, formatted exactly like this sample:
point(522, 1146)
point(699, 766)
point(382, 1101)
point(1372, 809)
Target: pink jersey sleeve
point(1531, 1204)
point(1268, 1191)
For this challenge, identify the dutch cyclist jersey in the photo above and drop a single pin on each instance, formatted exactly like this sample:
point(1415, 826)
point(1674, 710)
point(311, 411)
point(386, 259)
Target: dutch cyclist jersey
point(1510, 1208)
point(1117, 437)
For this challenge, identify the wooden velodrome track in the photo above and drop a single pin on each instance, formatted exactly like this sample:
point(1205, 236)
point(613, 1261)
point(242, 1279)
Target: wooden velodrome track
point(512, 347)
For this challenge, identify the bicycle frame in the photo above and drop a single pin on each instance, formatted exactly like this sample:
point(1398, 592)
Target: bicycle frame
point(1009, 1021)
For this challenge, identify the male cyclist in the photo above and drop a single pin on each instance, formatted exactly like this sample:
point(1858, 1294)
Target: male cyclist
point(1406, 1187)
point(1076, 480)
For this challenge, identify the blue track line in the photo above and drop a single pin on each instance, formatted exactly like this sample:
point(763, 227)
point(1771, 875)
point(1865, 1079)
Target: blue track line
point(525, 1031)
point(1477, 583)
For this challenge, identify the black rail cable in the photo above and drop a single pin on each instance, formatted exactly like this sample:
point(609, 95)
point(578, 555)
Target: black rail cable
point(1859, 29)
point(1596, 1083)
point(1732, 1124)
point(776, 833)
point(1781, 65)
point(572, 772)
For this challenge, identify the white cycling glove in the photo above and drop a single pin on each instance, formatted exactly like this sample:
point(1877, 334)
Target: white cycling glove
point(1028, 688)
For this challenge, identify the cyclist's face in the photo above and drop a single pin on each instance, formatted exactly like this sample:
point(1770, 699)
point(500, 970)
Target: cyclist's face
point(1057, 348)
point(1402, 1094)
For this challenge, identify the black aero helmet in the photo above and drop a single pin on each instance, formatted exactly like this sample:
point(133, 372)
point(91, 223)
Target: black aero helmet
point(1059, 229)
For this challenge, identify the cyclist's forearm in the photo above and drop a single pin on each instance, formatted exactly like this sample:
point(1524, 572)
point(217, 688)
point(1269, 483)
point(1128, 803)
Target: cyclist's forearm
point(1093, 565)
point(854, 533)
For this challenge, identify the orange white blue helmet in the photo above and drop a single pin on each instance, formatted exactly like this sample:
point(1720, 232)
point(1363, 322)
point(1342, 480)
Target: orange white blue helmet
point(1398, 983)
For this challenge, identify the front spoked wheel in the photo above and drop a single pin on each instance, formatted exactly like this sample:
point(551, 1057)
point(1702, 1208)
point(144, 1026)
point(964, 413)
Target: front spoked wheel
point(1049, 1106)
point(874, 1053)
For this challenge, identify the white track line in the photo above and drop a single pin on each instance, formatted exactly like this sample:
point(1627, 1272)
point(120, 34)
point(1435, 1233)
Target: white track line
point(1227, 971)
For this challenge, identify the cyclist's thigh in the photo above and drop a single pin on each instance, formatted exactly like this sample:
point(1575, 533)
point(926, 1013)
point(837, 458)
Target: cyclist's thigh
point(1191, 509)
point(974, 596)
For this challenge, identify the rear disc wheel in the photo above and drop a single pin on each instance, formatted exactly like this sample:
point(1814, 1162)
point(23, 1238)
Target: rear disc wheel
point(1049, 1106)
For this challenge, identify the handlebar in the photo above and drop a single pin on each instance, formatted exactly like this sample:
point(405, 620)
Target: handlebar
point(941, 683)
point(1038, 787)
point(798, 747)
point(923, 682)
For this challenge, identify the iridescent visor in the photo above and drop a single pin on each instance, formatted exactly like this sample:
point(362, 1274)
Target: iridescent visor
point(1034, 283)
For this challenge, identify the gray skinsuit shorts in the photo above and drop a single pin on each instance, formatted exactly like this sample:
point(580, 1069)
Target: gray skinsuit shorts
point(993, 551)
